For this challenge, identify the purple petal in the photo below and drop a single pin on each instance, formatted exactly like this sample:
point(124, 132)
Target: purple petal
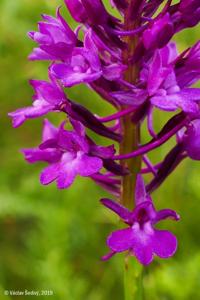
point(120, 210)
point(142, 243)
point(143, 253)
point(191, 94)
point(169, 53)
point(73, 78)
point(192, 140)
point(65, 179)
point(71, 166)
point(57, 32)
point(170, 84)
point(49, 19)
point(167, 103)
point(50, 173)
point(157, 73)
point(59, 50)
point(77, 10)
point(186, 104)
point(160, 33)
point(97, 13)
point(87, 165)
point(139, 241)
point(166, 214)
point(121, 240)
point(114, 71)
point(187, 77)
point(38, 111)
point(70, 139)
point(144, 212)
point(164, 243)
point(50, 92)
point(49, 131)
point(78, 127)
point(34, 155)
point(140, 191)
point(69, 77)
point(91, 53)
point(130, 98)
point(39, 37)
point(66, 170)
point(20, 115)
point(39, 54)
point(49, 144)
point(69, 32)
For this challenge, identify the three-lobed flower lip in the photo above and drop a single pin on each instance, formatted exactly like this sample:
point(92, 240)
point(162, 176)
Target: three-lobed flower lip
point(144, 243)
point(69, 153)
point(141, 238)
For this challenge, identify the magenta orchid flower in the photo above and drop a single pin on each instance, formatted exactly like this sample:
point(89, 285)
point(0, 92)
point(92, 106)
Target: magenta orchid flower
point(68, 154)
point(163, 87)
point(55, 38)
point(142, 239)
point(48, 96)
point(85, 66)
point(191, 140)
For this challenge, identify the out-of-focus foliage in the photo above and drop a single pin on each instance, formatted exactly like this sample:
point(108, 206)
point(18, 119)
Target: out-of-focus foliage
point(53, 240)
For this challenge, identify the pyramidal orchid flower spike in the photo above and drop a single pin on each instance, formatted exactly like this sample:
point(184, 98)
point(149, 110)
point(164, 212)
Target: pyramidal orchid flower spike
point(132, 63)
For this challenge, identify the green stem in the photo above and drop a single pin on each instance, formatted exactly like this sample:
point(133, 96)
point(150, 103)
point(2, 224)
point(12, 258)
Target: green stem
point(131, 131)
point(131, 135)
point(133, 279)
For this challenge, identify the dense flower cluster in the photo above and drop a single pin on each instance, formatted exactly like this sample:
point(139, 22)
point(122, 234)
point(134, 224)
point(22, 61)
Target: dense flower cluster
point(131, 63)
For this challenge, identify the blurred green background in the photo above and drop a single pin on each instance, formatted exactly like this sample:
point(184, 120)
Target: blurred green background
point(53, 240)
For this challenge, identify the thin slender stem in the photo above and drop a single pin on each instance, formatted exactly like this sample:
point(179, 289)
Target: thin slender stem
point(133, 279)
